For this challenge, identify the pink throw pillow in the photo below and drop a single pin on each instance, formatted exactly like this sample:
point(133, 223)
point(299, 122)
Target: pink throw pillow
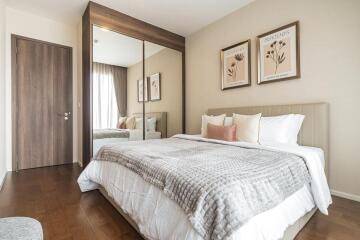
point(225, 133)
point(121, 123)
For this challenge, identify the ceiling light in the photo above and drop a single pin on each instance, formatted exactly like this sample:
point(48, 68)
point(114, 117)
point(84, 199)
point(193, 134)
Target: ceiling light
point(105, 30)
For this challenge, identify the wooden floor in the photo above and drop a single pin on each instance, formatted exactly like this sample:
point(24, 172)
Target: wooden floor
point(52, 196)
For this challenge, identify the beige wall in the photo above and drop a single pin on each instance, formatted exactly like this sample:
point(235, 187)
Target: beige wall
point(134, 73)
point(330, 68)
point(2, 93)
point(33, 26)
point(168, 63)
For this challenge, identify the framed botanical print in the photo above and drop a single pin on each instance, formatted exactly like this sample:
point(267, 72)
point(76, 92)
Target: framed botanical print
point(235, 66)
point(140, 90)
point(279, 54)
point(155, 87)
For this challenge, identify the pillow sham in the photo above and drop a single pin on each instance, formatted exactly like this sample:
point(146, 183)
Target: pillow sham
point(225, 133)
point(130, 122)
point(247, 127)
point(274, 129)
point(151, 124)
point(296, 125)
point(138, 123)
point(280, 129)
point(228, 121)
point(122, 123)
point(215, 120)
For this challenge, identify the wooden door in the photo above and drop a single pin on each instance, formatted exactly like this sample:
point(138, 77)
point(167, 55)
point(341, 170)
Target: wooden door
point(42, 103)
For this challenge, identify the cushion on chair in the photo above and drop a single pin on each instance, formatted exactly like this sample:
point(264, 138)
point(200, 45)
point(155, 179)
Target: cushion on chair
point(20, 228)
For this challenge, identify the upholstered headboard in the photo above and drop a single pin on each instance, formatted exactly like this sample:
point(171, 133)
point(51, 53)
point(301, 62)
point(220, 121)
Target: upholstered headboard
point(314, 131)
point(161, 121)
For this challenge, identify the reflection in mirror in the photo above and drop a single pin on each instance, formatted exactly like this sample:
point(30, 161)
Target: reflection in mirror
point(113, 55)
point(163, 70)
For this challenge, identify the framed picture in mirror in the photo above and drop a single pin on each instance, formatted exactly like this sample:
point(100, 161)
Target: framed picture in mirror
point(140, 89)
point(155, 87)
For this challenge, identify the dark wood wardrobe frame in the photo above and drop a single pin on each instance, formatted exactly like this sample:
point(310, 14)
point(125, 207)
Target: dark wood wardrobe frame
point(96, 14)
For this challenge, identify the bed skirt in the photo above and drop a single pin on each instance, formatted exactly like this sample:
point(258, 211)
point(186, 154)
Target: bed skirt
point(289, 234)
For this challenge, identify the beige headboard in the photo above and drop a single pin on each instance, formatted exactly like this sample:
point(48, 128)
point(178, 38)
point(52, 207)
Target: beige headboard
point(161, 121)
point(314, 131)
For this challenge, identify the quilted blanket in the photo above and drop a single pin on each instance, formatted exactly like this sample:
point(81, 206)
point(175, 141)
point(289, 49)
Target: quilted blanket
point(219, 186)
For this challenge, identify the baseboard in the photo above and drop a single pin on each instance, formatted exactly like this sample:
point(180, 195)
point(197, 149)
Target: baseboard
point(345, 195)
point(2, 180)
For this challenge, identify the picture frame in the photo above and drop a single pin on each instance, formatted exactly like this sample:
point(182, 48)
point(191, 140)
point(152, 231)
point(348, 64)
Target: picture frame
point(140, 91)
point(155, 87)
point(278, 54)
point(236, 65)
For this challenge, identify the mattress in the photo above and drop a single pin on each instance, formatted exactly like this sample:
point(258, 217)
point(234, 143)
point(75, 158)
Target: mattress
point(158, 217)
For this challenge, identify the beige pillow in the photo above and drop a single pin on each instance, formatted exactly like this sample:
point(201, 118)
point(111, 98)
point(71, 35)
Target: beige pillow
point(215, 120)
point(122, 123)
point(247, 127)
point(130, 122)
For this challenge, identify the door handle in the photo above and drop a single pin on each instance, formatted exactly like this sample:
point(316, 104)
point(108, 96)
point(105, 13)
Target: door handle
point(66, 115)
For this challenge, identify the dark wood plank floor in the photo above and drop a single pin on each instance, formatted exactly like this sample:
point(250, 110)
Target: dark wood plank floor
point(52, 196)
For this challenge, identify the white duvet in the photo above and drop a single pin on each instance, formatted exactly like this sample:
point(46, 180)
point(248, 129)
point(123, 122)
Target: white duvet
point(159, 217)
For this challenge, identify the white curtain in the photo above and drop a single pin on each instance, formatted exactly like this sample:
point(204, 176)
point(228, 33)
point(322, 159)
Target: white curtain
point(105, 109)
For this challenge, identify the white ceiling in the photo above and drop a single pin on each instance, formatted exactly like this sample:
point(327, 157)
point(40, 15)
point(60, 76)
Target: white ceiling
point(179, 16)
point(117, 49)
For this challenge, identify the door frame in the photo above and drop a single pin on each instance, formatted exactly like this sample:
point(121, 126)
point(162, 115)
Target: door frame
point(99, 15)
point(14, 38)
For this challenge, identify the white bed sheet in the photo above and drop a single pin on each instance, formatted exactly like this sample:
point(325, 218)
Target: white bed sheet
point(319, 152)
point(159, 217)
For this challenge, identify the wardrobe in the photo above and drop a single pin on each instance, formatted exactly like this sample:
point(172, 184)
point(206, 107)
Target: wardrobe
point(153, 40)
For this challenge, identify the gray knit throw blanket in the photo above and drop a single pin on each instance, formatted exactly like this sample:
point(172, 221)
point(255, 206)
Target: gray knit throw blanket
point(219, 186)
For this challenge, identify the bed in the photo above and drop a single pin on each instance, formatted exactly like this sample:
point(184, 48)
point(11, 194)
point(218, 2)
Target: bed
point(102, 137)
point(157, 213)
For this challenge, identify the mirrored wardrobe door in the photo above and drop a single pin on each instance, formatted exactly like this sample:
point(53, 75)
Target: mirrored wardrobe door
point(116, 107)
point(163, 108)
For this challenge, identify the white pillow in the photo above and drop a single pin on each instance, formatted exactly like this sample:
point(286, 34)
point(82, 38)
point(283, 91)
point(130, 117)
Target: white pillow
point(216, 120)
point(280, 129)
point(228, 121)
point(151, 126)
point(296, 124)
point(130, 123)
point(139, 123)
point(247, 127)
